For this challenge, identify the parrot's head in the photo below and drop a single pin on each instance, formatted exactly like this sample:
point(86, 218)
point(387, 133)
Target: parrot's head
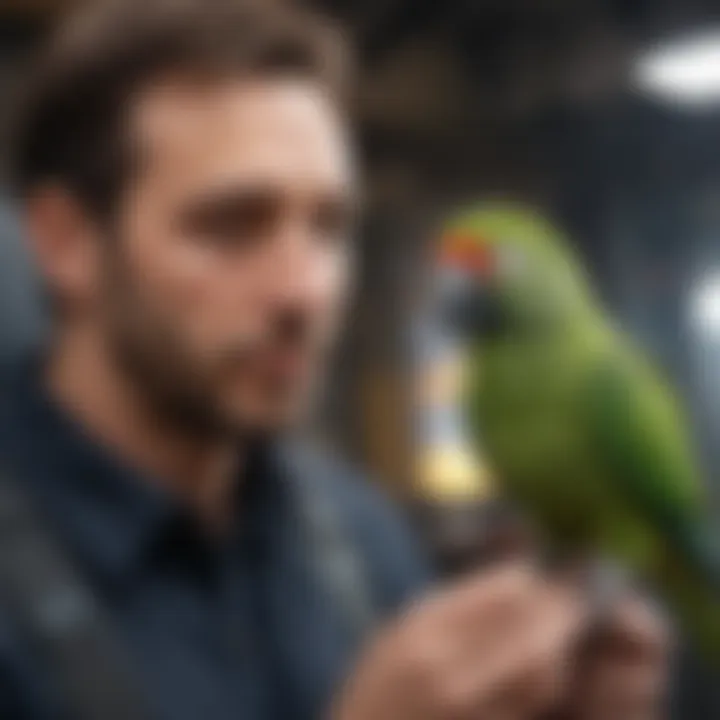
point(504, 270)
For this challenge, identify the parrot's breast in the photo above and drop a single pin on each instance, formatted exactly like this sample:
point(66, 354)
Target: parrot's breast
point(525, 414)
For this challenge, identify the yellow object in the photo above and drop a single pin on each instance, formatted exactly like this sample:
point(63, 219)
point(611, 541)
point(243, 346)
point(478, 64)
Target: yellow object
point(447, 468)
point(452, 473)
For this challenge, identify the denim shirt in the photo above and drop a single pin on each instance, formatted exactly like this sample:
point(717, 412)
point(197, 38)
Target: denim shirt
point(232, 629)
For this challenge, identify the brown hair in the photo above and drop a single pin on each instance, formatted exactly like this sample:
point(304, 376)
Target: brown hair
point(71, 128)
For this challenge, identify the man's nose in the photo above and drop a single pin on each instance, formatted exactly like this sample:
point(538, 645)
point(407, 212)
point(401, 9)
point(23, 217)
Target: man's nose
point(298, 269)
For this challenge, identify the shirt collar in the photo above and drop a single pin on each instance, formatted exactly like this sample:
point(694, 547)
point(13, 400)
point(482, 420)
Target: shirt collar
point(109, 513)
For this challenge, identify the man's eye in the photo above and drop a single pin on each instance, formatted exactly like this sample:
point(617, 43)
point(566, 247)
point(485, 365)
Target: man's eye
point(237, 221)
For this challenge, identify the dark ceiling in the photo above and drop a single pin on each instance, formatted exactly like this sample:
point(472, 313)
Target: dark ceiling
point(466, 92)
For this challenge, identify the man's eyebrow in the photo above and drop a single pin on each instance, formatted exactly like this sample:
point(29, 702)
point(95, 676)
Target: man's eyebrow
point(229, 196)
point(228, 200)
point(233, 194)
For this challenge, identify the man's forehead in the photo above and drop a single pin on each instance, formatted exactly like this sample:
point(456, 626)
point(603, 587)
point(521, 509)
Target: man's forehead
point(284, 129)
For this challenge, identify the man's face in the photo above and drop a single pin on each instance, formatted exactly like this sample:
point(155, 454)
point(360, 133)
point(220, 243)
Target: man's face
point(224, 287)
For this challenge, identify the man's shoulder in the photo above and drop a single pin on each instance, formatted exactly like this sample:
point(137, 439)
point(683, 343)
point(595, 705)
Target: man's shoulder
point(378, 528)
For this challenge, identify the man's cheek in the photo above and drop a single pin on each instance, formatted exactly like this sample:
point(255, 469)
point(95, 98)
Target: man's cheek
point(218, 324)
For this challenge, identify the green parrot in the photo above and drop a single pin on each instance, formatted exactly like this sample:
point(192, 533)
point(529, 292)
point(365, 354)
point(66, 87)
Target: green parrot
point(583, 433)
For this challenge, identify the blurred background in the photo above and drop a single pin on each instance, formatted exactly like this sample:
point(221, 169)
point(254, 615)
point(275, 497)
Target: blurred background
point(605, 114)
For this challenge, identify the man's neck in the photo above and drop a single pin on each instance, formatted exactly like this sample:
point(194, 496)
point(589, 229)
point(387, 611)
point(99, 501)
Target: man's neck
point(200, 471)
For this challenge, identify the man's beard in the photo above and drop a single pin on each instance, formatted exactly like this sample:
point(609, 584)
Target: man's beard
point(155, 361)
point(175, 384)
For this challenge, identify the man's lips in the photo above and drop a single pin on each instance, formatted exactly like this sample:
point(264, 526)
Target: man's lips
point(286, 364)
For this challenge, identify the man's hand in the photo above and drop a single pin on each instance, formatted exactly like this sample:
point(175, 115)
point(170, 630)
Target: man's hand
point(622, 672)
point(498, 647)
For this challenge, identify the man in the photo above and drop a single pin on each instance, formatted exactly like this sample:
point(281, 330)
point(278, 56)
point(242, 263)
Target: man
point(189, 191)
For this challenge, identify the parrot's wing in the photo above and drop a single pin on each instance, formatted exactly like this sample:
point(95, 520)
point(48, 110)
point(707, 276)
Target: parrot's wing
point(639, 428)
point(638, 431)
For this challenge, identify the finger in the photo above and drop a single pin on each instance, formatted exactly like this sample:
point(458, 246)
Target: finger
point(442, 627)
point(625, 672)
point(621, 690)
point(546, 686)
point(544, 672)
point(475, 601)
point(524, 663)
point(552, 606)
point(518, 619)
point(635, 631)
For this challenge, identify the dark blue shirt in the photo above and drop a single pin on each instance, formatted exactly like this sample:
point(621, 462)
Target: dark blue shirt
point(238, 629)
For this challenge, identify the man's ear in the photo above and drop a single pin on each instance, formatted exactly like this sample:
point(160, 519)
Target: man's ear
point(65, 243)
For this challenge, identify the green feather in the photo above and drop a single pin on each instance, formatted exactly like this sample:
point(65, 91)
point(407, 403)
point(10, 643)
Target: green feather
point(580, 428)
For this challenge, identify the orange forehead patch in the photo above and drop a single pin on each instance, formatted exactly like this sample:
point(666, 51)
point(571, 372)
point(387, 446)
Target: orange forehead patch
point(467, 252)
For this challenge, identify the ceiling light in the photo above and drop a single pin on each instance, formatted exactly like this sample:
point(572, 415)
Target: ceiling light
point(705, 307)
point(684, 71)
